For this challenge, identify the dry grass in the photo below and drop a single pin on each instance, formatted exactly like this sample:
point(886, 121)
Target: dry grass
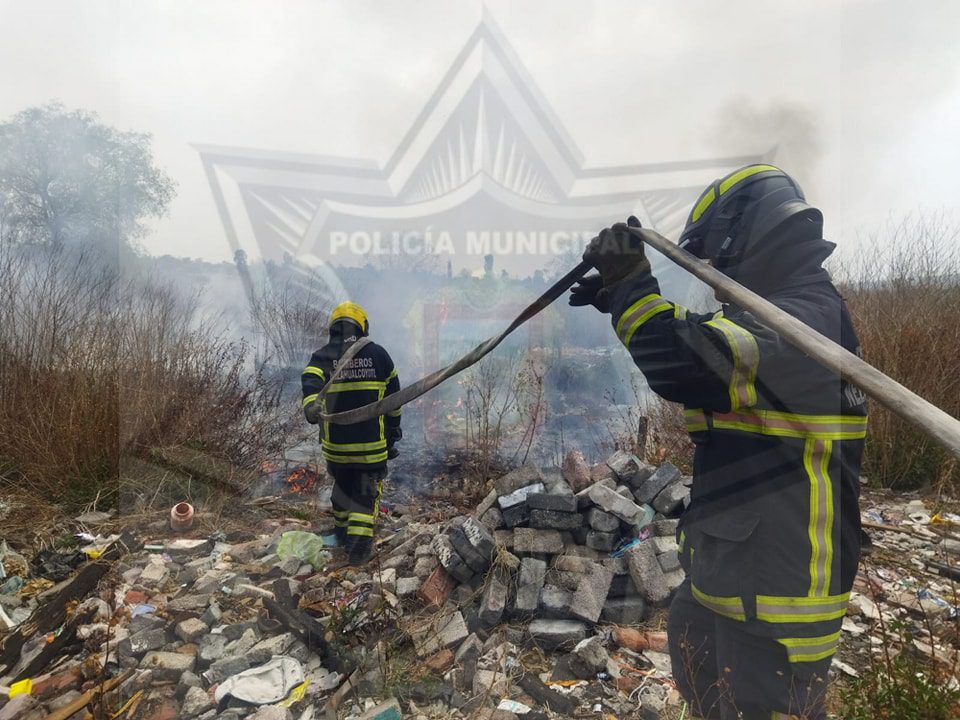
point(95, 366)
point(904, 296)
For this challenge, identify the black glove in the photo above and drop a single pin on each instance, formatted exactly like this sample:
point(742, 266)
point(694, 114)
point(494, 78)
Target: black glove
point(393, 435)
point(616, 254)
point(589, 291)
point(392, 453)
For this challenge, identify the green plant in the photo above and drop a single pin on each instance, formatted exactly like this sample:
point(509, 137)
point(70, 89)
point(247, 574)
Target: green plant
point(905, 689)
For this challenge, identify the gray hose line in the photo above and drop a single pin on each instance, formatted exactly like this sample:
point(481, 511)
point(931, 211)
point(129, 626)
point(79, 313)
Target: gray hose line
point(394, 402)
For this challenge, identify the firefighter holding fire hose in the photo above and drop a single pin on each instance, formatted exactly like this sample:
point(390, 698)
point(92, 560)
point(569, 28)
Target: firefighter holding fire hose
point(356, 454)
point(771, 539)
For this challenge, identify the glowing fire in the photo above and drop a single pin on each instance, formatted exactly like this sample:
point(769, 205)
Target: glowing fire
point(302, 480)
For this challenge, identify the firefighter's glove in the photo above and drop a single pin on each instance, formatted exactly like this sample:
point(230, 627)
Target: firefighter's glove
point(392, 453)
point(313, 411)
point(617, 254)
point(393, 435)
point(589, 291)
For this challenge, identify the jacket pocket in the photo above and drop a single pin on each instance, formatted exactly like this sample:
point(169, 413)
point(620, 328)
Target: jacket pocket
point(723, 571)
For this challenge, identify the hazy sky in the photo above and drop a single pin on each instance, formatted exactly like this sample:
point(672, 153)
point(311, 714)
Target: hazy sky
point(863, 96)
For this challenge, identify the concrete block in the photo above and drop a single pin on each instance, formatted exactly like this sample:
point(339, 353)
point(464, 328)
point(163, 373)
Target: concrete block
point(670, 501)
point(646, 572)
point(531, 541)
point(588, 658)
point(546, 501)
point(168, 665)
point(624, 610)
point(529, 585)
point(601, 541)
point(669, 561)
point(612, 502)
point(492, 519)
point(555, 520)
point(556, 602)
point(517, 515)
point(663, 527)
point(624, 464)
point(591, 594)
point(494, 600)
point(646, 491)
point(450, 560)
point(602, 521)
point(523, 476)
point(557, 634)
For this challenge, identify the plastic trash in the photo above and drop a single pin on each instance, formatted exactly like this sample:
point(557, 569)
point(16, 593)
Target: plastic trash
point(517, 708)
point(24, 687)
point(12, 563)
point(263, 685)
point(55, 565)
point(305, 546)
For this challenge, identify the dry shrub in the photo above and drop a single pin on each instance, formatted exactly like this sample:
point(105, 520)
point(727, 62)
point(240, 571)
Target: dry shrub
point(95, 365)
point(904, 295)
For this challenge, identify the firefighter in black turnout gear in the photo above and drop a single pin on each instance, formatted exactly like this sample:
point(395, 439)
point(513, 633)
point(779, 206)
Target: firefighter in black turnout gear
point(356, 454)
point(770, 540)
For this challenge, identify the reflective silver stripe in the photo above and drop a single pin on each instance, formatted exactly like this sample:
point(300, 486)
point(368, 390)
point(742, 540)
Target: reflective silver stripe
point(815, 457)
point(781, 424)
point(801, 609)
point(731, 607)
point(637, 314)
point(810, 649)
point(746, 359)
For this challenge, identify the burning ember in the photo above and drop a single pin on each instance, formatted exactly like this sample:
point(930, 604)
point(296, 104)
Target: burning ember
point(302, 480)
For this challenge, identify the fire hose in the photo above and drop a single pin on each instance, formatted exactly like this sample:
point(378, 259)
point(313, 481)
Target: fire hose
point(940, 426)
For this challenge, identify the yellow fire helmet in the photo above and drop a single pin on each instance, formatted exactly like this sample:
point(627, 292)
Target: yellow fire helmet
point(352, 312)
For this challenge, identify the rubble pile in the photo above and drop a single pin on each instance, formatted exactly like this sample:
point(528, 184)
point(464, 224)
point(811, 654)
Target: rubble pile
point(545, 600)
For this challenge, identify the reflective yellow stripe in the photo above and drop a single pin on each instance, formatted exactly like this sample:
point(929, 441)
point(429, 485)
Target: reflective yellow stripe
point(706, 200)
point(746, 359)
point(359, 459)
point(696, 420)
point(309, 399)
point(362, 531)
point(359, 385)
point(637, 314)
point(781, 424)
point(811, 649)
point(731, 607)
point(736, 177)
point(392, 375)
point(816, 456)
point(395, 413)
point(355, 447)
point(314, 370)
point(363, 517)
point(679, 312)
point(778, 609)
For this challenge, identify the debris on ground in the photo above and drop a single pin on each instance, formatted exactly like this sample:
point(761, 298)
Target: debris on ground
point(547, 598)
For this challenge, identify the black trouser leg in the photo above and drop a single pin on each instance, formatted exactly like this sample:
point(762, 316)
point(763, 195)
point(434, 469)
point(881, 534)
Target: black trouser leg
point(691, 630)
point(724, 672)
point(365, 492)
point(340, 499)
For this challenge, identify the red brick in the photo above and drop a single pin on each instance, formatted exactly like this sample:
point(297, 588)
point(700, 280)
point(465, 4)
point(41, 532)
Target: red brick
point(52, 685)
point(436, 589)
point(441, 662)
point(135, 597)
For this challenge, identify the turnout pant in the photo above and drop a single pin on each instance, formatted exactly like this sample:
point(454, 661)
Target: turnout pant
point(356, 504)
point(724, 672)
